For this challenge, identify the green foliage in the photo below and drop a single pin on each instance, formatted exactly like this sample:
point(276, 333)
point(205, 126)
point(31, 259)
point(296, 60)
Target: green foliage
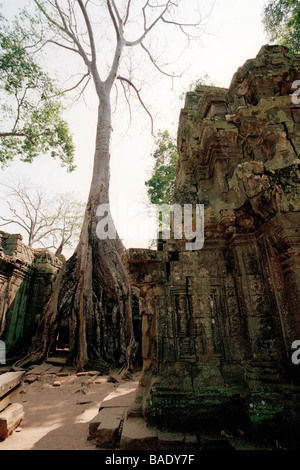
point(30, 105)
point(161, 184)
point(281, 19)
point(205, 80)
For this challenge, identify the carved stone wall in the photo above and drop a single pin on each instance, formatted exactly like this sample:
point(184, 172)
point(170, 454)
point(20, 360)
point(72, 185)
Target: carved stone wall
point(26, 278)
point(218, 323)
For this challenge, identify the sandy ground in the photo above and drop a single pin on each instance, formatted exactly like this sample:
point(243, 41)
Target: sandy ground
point(59, 405)
point(58, 409)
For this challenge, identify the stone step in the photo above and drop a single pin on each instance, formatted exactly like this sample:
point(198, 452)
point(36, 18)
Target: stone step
point(10, 419)
point(10, 380)
point(40, 368)
point(57, 360)
point(176, 440)
point(108, 432)
point(123, 395)
point(136, 435)
point(103, 416)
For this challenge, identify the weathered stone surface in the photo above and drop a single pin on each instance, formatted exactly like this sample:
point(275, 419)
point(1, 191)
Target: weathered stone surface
point(122, 396)
point(174, 441)
point(218, 323)
point(9, 381)
point(7, 399)
point(136, 435)
point(10, 419)
point(105, 428)
point(26, 279)
point(108, 432)
point(39, 369)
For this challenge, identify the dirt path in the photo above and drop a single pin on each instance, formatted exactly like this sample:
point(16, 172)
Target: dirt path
point(57, 410)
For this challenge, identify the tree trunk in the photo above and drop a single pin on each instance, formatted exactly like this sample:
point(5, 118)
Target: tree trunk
point(92, 290)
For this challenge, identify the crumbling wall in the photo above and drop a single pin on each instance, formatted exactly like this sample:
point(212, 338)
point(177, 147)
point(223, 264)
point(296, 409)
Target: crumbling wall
point(26, 279)
point(219, 323)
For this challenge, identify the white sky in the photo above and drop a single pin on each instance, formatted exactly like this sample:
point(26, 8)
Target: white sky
point(233, 35)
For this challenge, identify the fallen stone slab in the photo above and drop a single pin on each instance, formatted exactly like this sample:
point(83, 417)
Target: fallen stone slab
point(54, 370)
point(103, 417)
point(93, 426)
point(10, 380)
point(39, 369)
point(10, 419)
point(56, 360)
point(108, 432)
point(7, 399)
point(123, 395)
point(136, 435)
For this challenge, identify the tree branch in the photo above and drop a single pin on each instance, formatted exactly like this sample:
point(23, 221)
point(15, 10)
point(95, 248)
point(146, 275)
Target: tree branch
point(114, 21)
point(87, 75)
point(66, 30)
point(127, 13)
point(16, 134)
point(147, 29)
point(59, 44)
point(157, 66)
point(90, 31)
point(129, 82)
point(12, 222)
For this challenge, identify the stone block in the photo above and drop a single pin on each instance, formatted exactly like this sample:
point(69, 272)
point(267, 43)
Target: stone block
point(10, 419)
point(39, 369)
point(107, 433)
point(7, 399)
point(93, 426)
point(173, 441)
point(136, 435)
point(9, 381)
point(122, 396)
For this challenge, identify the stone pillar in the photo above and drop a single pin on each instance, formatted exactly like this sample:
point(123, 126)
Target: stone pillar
point(254, 303)
point(284, 235)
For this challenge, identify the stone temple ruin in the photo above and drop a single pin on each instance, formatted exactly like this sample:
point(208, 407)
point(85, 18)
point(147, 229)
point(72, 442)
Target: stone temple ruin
point(219, 323)
point(26, 280)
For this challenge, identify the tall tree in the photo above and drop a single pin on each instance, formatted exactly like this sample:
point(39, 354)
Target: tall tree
point(50, 223)
point(92, 289)
point(281, 19)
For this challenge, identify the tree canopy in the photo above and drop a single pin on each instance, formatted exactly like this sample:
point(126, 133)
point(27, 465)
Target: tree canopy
point(31, 108)
point(281, 19)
